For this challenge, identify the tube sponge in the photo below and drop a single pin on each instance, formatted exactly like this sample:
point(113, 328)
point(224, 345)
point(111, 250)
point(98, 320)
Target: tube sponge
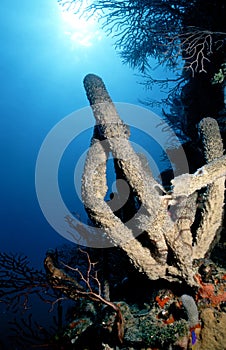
point(191, 309)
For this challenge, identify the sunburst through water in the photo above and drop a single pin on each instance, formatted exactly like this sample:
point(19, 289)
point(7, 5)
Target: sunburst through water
point(83, 30)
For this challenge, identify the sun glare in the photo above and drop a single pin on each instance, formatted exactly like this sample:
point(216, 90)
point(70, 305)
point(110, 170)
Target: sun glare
point(82, 31)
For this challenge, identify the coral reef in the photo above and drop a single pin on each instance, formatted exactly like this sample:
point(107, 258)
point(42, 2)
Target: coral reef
point(157, 236)
point(164, 218)
point(213, 293)
point(143, 330)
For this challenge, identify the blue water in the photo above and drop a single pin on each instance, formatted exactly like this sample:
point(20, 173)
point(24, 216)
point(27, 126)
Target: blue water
point(42, 71)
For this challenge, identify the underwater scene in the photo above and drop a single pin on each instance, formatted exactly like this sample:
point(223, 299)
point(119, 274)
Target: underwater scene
point(113, 165)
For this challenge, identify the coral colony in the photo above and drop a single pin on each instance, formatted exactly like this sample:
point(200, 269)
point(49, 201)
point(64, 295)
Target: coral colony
point(171, 249)
point(164, 232)
point(154, 235)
